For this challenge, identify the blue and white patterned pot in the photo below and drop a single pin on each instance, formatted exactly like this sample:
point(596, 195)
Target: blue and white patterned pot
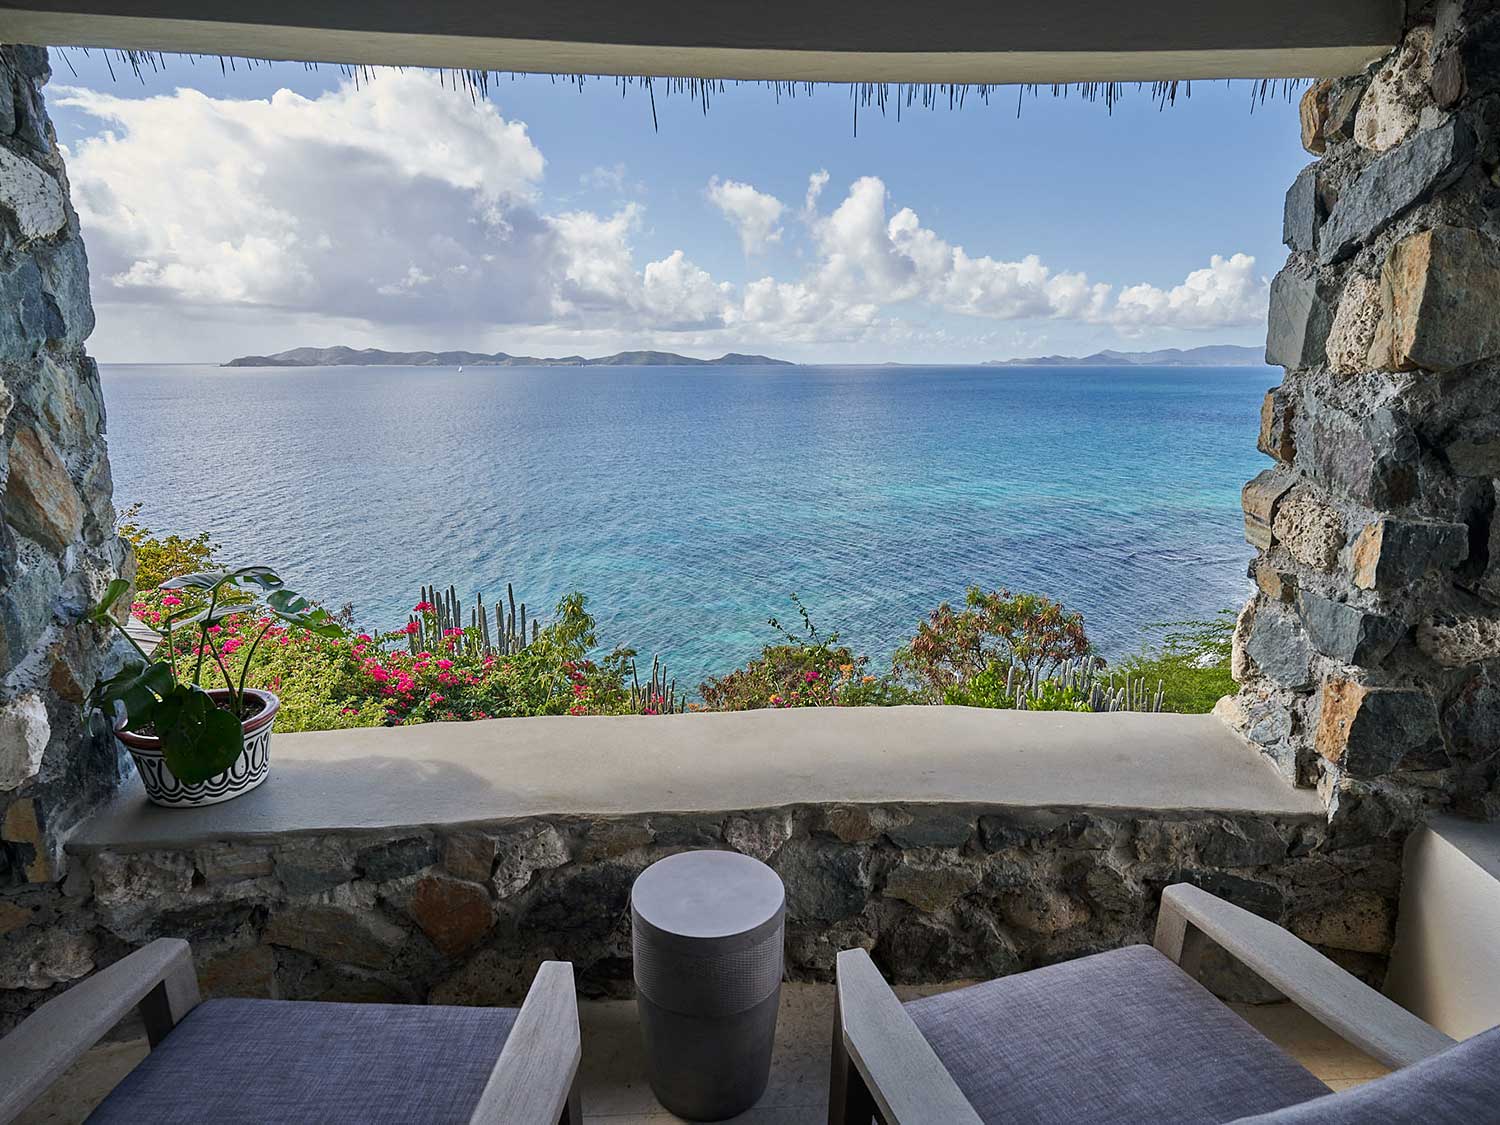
point(248, 771)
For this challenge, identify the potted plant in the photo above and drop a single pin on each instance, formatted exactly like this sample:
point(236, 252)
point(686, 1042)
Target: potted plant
point(197, 746)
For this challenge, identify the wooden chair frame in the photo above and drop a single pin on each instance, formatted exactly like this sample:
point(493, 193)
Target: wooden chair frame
point(534, 1081)
point(883, 1067)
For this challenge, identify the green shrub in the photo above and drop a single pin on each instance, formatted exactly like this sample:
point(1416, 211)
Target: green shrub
point(806, 669)
point(988, 689)
point(959, 657)
point(1191, 661)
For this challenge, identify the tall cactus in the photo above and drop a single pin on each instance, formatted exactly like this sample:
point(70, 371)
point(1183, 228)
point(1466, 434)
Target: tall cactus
point(1084, 677)
point(510, 636)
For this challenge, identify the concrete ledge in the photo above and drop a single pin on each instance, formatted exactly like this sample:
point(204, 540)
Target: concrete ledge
point(459, 773)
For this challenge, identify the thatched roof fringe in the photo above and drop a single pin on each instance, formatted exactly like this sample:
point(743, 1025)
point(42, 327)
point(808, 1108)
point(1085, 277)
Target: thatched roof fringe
point(881, 95)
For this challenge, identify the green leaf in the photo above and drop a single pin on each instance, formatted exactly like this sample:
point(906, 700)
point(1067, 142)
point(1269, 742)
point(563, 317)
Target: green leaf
point(261, 576)
point(198, 739)
point(202, 580)
point(296, 610)
point(209, 615)
point(100, 614)
point(137, 686)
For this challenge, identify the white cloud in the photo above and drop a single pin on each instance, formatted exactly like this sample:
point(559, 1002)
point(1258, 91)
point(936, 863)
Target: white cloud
point(398, 200)
point(753, 213)
point(815, 185)
point(889, 260)
point(403, 209)
point(1225, 294)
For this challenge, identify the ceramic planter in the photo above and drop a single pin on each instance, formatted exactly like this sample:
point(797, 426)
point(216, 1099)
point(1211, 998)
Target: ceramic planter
point(248, 771)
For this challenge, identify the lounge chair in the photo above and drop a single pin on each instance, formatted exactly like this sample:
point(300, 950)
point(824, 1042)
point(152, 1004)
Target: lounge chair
point(1130, 1036)
point(278, 1061)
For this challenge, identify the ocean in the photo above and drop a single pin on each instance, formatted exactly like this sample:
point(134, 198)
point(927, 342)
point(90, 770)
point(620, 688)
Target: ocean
point(689, 503)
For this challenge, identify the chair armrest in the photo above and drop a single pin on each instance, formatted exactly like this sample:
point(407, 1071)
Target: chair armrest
point(534, 1078)
point(157, 978)
point(908, 1082)
point(1335, 998)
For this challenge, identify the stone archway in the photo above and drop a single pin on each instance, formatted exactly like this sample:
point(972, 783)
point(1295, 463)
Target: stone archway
point(1365, 656)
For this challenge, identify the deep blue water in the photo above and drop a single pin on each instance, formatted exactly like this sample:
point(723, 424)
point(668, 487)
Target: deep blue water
point(689, 503)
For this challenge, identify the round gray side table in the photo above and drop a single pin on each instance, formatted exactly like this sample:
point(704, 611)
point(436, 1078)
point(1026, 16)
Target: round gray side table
point(707, 934)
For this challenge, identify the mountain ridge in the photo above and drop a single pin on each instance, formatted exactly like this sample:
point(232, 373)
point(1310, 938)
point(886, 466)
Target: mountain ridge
point(1209, 355)
point(377, 357)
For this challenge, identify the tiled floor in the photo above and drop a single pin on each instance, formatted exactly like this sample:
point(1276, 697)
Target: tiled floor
point(615, 1091)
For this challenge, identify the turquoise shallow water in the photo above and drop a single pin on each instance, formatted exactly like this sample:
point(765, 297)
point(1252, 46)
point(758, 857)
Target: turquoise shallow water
point(689, 502)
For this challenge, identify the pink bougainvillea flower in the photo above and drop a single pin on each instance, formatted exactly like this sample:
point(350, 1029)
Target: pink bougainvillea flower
point(445, 664)
point(364, 638)
point(422, 607)
point(809, 677)
point(434, 698)
point(412, 627)
point(171, 599)
point(216, 628)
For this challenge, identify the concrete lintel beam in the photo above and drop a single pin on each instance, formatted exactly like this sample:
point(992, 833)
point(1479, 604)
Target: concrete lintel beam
point(877, 41)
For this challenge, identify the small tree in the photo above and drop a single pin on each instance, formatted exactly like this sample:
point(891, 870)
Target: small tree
point(1029, 632)
point(160, 557)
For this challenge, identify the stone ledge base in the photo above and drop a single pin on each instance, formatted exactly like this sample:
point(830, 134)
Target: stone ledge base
point(463, 915)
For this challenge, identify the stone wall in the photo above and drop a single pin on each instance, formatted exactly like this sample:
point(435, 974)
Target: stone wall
point(58, 547)
point(463, 915)
point(1365, 659)
point(1367, 656)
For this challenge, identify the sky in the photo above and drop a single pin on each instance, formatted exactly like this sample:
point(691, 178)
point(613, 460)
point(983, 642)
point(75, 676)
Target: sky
point(278, 206)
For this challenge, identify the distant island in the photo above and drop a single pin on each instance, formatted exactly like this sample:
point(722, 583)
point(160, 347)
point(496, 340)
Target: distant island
point(1212, 355)
point(374, 357)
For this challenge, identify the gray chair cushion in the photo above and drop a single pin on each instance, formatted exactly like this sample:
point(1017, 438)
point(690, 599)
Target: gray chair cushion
point(1119, 1037)
point(264, 1062)
point(1461, 1086)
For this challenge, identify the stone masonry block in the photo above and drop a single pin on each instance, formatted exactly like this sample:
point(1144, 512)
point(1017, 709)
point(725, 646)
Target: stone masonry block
point(1440, 301)
point(1312, 113)
point(1354, 325)
point(1259, 499)
point(33, 197)
point(1298, 322)
point(1392, 184)
point(1276, 439)
point(1299, 214)
point(1279, 647)
point(1278, 585)
point(40, 498)
point(1456, 642)
point(1371, 731)
point(1393, 102)
point(1312, 531)
point(1345, 632)
point(1391, 553)
point(24, 733)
